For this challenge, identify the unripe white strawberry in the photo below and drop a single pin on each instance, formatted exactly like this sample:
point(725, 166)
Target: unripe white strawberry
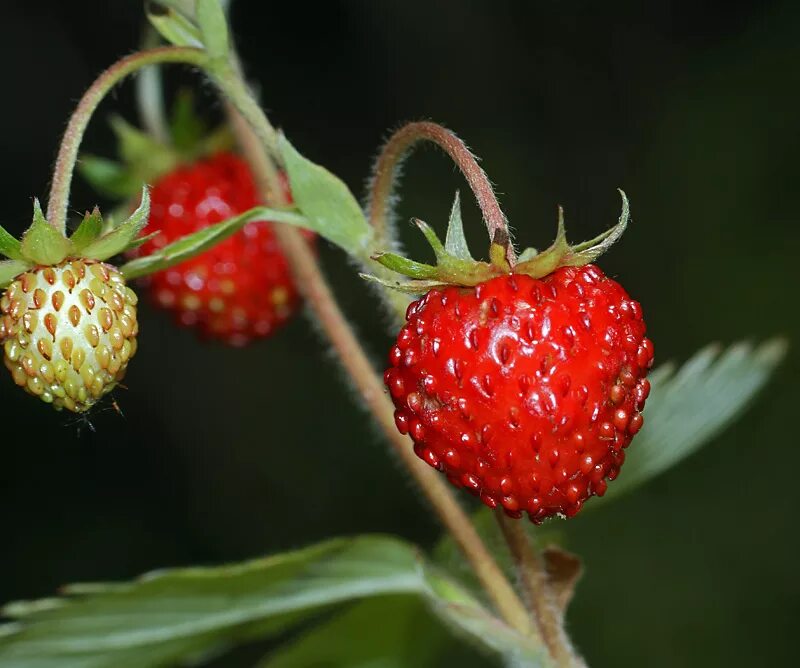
point(68, 331)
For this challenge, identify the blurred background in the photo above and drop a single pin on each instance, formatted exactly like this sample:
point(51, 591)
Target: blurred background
point(225, 454)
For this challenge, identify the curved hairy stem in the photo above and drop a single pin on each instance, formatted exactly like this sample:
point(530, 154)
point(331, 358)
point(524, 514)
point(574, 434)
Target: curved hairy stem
point(70, 143)
point(369, 385)
point(387, 168)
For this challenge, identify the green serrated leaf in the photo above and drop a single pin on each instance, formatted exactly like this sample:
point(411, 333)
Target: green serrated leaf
point(413, 638)
point(326, 202)
point(120, 238)
point(170, 617)
point(688, 408)
point(213, 28)
point(455, 242)
point(194, 244)
point(173, 24)
point(10, 269)
point(90, 228)
point(43, 243)
point(9, 245)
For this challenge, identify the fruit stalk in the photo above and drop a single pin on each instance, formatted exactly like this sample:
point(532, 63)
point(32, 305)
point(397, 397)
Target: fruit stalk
point(391, 158)
point(73, 135)
point(318, 295)
point(534, 580)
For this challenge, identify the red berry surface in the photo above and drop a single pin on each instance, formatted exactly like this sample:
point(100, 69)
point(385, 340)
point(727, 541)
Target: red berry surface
point(241, 288)
point(524, 391)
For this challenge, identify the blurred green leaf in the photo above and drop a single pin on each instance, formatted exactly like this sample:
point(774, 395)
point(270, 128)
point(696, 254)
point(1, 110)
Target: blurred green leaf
point(178, 615)
point(690, 406)
point(326, 202)
point(10, 269)
point(197, 242)
point(213, 28)
point(43, 243)
point(107, 177)
point(170, 18)
point(9, 245)
point(382, 632)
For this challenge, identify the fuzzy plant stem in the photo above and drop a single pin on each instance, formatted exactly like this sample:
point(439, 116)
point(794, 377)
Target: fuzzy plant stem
point(70, 143)
point(528, 562)
point(318, 295)
point(387, 169)
point(535, 582)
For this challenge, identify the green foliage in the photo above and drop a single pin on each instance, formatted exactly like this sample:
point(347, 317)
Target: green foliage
point(9, 269)
point(690, 406)
point(42, 243)
point(170, 19)
point(455, 242)
point(121, 237)
point(195, 243)
point(326, 202)
point(561, 254)
point(108, 177)
point(90, 228)
point(213, 28)
point(392, 632)
point(9, 245)
point(179, 615)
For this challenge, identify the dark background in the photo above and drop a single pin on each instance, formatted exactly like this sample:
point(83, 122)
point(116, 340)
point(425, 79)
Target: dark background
point(224, 454)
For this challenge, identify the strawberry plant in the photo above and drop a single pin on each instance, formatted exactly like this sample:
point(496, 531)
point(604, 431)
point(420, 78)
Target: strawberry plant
point(523, 378)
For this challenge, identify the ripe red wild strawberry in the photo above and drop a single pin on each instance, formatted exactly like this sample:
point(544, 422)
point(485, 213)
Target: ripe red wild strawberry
point(241, 288)
point(524, 383)
point(524, 391)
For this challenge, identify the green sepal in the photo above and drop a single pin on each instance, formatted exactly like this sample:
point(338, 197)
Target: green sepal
point(194, 244)
point(455, 242)
point(328, 205)
point(145, 158)
point(90, 228)
point(416, 287)
point(43, 243)
point(9, 245)
point(451, 268)
point(561, 254)
point(186, 128)
point(119, 239)
point(10, 269)
point(173, 24)
point(213, 28)
point(108, 177)
point(455, 266)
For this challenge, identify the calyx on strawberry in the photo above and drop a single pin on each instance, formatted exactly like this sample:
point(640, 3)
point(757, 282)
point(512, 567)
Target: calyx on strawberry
point(239, 290)
point(524, 384)
point(68, 325)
